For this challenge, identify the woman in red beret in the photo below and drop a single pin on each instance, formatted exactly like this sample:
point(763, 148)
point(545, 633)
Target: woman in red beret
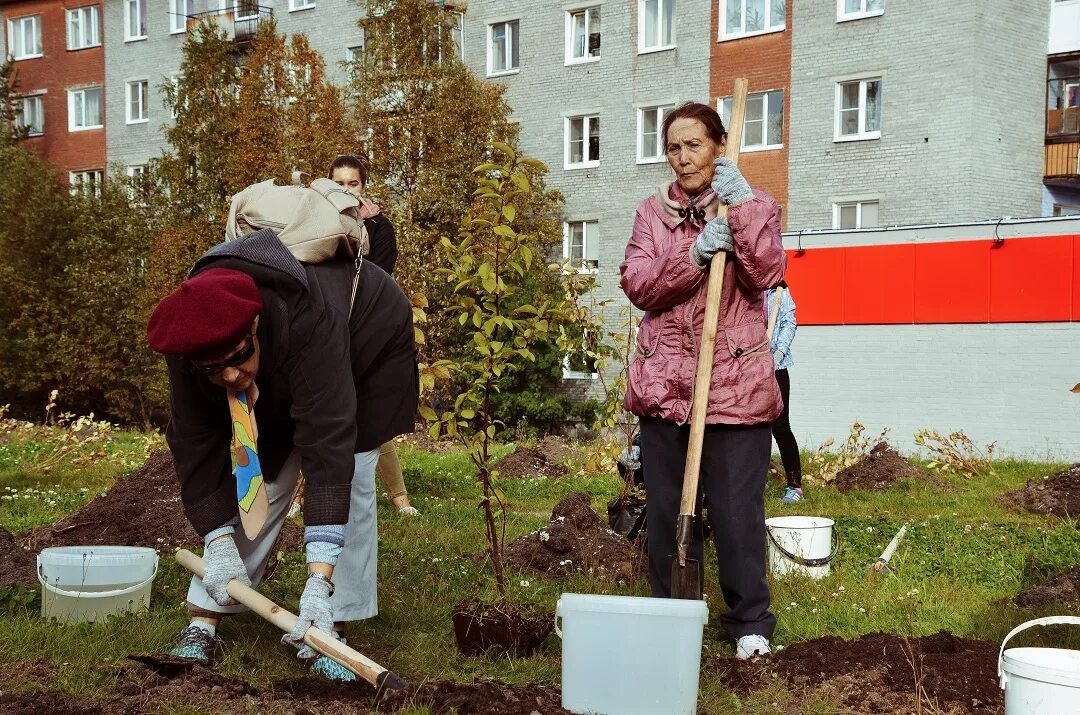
point(326, 385)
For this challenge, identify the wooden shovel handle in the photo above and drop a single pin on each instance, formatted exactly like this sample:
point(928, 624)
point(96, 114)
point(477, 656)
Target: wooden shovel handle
point(703, 374)
point(322, 642)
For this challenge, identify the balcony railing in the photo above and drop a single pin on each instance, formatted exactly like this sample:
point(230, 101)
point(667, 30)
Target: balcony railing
point(1063, 107)
point(238, 18)
point(1062, 163)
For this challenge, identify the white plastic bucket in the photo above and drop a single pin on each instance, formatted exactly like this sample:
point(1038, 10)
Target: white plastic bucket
point(1040, 680)
point(802, 545)
point(87, 583)
point(626, 655)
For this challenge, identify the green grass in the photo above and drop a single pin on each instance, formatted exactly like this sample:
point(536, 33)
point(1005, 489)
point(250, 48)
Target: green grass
point(963, 554)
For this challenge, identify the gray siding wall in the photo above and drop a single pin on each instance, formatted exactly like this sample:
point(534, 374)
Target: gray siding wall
point(545, 91)
point(962, 116)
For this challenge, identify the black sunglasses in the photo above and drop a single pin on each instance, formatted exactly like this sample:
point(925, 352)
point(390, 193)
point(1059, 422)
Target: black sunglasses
point(238, 358)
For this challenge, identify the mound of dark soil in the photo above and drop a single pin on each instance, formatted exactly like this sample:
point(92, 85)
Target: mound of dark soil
point(575, 541)
point(1063, 588)
point(529, 462)
point(420, 439)
point(1057, 494)
point(17, 565)
point(556, 449)
point(879, 470)
point(883, 673)
point(141, 509)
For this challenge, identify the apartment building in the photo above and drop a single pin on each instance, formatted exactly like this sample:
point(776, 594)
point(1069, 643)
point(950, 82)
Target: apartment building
point(1061, 175)
point(59, 59)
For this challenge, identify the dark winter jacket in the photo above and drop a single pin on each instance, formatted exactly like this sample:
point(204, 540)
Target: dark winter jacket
point(382, 241)
point(329, 385)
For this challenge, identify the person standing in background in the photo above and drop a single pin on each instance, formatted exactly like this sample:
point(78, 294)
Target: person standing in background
point(781, 311)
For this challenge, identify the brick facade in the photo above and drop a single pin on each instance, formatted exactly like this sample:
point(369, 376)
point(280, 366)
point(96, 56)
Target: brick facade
point(52, 75)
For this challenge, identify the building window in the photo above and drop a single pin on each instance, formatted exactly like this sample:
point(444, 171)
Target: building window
point(30, 115)
point(582, 142)
point(135, 171)
point(82, 28)
point(656, 25)
point(858, 109)
point(84, 109)
point(457, 34)
point(24, 37)
point(295, 5)
point(179, 12)
point(86, 182)
point(855, 214)
point(743, 18)
point(763, 125)
point(581, 244)
point(503, 47)
point(579, 365)
point(137, 106)
point(650, 135)
point(583, 35)
point(134, 20)
point(858, 9)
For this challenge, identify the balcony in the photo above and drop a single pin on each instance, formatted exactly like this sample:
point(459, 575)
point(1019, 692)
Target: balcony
point(1061, 165)
point(240, 19)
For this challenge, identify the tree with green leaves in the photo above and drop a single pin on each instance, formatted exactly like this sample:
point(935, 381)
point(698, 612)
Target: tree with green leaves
point(10, 132)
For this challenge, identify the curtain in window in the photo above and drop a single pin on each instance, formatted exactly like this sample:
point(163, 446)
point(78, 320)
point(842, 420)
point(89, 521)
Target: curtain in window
point(873, 105)
point(91, 113)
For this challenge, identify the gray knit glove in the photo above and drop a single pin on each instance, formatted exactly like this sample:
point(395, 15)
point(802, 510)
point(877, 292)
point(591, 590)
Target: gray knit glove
point(223, 564)
point(715, 237)
point(728, 183)
point(314, 611)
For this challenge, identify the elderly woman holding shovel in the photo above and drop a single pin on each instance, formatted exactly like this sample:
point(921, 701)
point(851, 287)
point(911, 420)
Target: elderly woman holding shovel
point(708, 209)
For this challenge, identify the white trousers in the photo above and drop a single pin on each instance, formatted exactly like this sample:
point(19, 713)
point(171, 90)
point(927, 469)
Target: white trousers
point(356, 574)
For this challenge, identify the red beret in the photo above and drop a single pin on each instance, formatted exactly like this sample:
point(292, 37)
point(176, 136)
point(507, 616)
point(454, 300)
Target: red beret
point(207, 316)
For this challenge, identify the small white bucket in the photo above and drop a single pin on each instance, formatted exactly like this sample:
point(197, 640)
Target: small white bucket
point(83, 584)
point(802, 545)
point(626, 655)
point(1040, 680)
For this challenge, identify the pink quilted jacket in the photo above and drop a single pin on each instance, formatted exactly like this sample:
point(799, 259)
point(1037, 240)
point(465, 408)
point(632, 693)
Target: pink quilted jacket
point(660, 278)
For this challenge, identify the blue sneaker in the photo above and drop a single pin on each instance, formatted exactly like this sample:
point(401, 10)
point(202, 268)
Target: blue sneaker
point(196, 644)
point(792, 495)
point(332, 670)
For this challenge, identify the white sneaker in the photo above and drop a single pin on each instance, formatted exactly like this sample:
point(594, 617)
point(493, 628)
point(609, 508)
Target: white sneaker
point(750, 646)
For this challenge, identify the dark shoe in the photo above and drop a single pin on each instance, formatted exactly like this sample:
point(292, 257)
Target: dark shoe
point(196, 644)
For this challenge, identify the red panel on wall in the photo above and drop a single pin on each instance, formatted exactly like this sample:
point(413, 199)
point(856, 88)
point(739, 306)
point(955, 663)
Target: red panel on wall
point(952, 282)
point(816, 278)
point(1031, 279)
point(1076, 278)
point(879, 284)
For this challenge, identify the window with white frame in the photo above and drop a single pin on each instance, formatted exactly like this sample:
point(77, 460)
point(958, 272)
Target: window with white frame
point(743, 18)
point(581, 244)
point(582, 142)
point(858, 109)
point(86, 182)
point(457, 34)
point(503, 47)
point(137, 101)
point(763, 123)
point(582, 35)
point(24, 37)
point(134, 20)
point(84, 108)
point(857, 9)
point(650, 134)
point(30, 114)
point(83, 28)
point(656, 25)
point(179, 12)
point(295, 5)
point(855, 214)
point(135, 170)
point(579, 365)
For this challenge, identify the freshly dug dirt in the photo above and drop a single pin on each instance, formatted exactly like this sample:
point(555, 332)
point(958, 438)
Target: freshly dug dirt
point(141, 509)
point(1062, 589)
point(486, 697)
point(879, 470)
point(419, 439)
point(883, 673)
point(529, 462)
point(576, 540)
point(1057, 494)
point(556, 449)
point(17, 565)
point(479, 626)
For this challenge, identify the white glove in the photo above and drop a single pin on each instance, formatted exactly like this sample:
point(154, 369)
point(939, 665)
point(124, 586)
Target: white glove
point(223, 564)
point(314, 611)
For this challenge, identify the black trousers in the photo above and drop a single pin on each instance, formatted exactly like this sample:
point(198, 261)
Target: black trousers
point(785, 438)
point(734, 462)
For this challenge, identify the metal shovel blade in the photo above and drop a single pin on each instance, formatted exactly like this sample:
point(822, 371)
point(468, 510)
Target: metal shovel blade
point(685, 572)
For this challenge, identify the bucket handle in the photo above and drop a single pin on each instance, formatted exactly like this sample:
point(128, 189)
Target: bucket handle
point(96, 594)
point(558, 615)
point(802, 561)
point(1047, 621)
